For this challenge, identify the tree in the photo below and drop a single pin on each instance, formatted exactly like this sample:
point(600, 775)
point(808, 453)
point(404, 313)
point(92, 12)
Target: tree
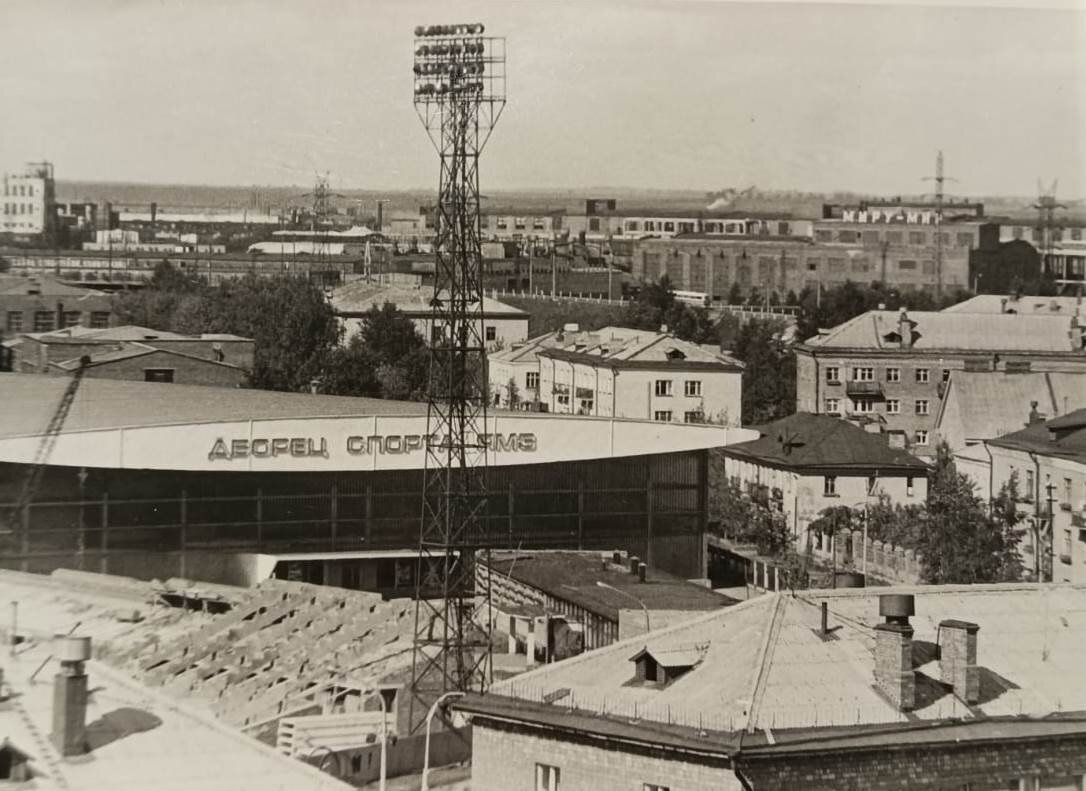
point(769, 376)
point(656, 307)
point(961, 542)
point(512, 393)
point(735, 295)
point(387, 358)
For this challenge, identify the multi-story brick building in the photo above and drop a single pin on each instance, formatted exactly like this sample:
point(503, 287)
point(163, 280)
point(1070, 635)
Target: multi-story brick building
point(623, 372)
point(820, 690)
point(895, 245)
point(1048, 461)
point(805, 463)
point(137, 353)
point(893, 368)
point(42, 304)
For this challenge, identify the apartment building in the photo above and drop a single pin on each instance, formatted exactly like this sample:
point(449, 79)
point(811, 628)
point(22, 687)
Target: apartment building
point(27, 207)
point(930, 687)
point(41, 304)
point(893, 368)
point(507, 224)
point(623, 372)
point(1048, 460)
point(805, 463)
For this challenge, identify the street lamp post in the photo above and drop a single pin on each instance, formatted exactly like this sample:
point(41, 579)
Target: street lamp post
point(641, 604)
point(426, 748)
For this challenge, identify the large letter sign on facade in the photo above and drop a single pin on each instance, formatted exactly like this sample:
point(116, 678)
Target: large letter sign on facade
point(356, 445)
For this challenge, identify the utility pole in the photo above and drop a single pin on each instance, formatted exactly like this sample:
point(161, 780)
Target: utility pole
point(939, 180)
point(531, 266)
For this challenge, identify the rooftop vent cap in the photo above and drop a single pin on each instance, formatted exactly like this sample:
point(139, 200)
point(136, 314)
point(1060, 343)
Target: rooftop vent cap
point(897, 607)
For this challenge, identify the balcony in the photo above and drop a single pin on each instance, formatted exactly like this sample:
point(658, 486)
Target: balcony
point(864, 389)
point(1078, 519)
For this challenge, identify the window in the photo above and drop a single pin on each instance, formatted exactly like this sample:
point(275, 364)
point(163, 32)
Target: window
point(965, 240)
point(833, 405)
point(99, 319)
point(669, 226)
point(1031, 484)
point(921, 376)
point(531, 380)
point(921, 437)
point(836, 264)
point(906, 265)
point(631, 225)
point(693, 417)
point(871, 237)
point(833, 375)
point(664, 416)
point(693, 387)
point(1067, 493)
point(594, 224)
point(663, 387)
point(655, 787)
point(649, 225)
point(829, 486)
point(561, 393)
point(946, 375)
point(893, 406)
point(921, 406)
point(917, 237)
point(44, 321)
point(435, 335)
point(158, 374)
point(15, 321)
point(547, 777)
point(893, 237)
point(491, 333)
point(872, 484)
point(863, 406)
point(71, 318)
point(863, 374)
point(909, 486)
point(848, 237)
point(893, 374)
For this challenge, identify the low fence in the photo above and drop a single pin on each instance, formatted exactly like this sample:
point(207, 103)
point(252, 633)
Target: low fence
point(885, 560)
point(556, 296)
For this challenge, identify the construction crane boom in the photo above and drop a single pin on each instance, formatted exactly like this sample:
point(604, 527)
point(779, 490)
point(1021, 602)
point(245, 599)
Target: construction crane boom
point(32, 481)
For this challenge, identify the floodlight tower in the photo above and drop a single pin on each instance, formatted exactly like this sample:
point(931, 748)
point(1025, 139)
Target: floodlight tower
point(459, 95)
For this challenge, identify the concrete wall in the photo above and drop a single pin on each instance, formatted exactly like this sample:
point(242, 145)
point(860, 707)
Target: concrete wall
point(505, 759)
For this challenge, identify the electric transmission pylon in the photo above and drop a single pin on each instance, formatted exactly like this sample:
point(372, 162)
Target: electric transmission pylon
point(459, 95)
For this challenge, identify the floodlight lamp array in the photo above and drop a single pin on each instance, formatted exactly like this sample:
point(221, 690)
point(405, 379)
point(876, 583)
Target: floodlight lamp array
point(431, 31)
point(449, 66)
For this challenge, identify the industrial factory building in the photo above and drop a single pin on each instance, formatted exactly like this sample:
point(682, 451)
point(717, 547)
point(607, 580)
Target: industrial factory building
point(217, 484)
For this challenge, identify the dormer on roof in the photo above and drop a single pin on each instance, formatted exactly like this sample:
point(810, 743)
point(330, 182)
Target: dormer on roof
point(661, 667)
point(675, 354)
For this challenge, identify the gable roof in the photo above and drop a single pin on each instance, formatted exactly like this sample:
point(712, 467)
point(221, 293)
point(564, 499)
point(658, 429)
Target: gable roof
point(767, 665)
point(127, 351)
point(1022, 305)
point(44, 286)
point(803, 441)
point(986, 404)
point(625, 347)
point(127, 332)
point(1064, 437)
point(967, 332)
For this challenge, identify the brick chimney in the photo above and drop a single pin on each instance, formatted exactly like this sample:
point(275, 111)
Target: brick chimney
point(958, 658)
point(905, 329)
point(894, 674)
point(1034, 415)
point(70, 695)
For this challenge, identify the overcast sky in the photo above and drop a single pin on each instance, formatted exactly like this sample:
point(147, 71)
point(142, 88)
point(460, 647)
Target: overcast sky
point(672, 94)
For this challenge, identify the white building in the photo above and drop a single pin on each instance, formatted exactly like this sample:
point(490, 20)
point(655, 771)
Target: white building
point(28, 200)
point(503, 325)
point(622, 372)
point(1048, 461)
point(804, 463)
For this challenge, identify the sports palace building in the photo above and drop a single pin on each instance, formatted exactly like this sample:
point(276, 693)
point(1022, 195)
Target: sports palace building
point(226, 485)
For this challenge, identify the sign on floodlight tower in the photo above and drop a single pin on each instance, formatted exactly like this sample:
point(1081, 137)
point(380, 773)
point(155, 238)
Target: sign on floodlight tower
point(459, 94)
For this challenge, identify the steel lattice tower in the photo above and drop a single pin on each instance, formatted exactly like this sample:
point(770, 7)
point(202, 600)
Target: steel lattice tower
point(459, 94)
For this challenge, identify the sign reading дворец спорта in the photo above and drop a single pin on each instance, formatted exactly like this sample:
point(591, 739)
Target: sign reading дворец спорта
point(306, 447)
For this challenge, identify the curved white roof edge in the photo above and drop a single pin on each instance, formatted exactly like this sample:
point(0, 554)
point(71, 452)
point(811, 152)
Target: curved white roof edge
point(374, 443)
